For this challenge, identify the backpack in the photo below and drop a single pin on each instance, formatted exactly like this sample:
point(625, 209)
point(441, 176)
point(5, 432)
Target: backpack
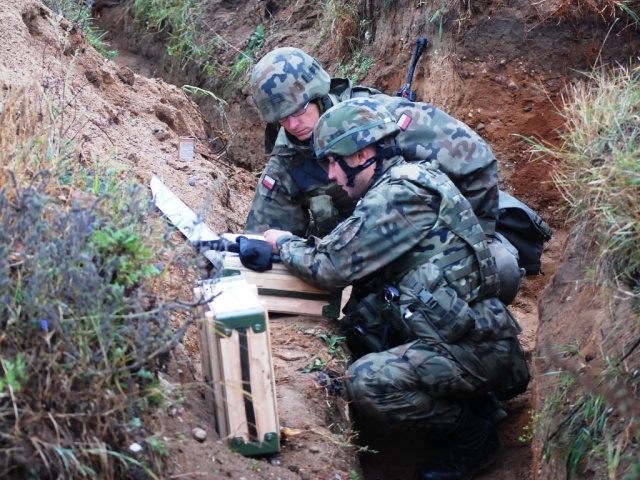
point(525, 230)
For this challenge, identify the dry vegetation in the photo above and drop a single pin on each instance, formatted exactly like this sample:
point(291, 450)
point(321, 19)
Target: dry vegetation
point(82, 337)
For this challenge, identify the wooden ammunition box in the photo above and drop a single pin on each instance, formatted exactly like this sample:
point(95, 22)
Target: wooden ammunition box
point(283, 292)
point(237, 365)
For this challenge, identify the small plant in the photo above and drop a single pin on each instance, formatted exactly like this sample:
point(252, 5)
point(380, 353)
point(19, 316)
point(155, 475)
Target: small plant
point(79, 323)
point(357, 69)
point(80, 14)
point(345, 26)
point(529, 429)
point(332, 342)
point(245, 58)
point(13, 375)
point(158, 445)
point(317, 365)
point(585, 428)
point(581, 433)
point(180, 24)
point(201, 91)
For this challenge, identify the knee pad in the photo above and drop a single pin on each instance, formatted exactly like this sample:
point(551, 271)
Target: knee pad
point(509, 271)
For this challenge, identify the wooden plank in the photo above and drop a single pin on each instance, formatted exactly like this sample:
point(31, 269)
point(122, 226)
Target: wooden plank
point(211, 371)
point(218, 388)
point(263, 388)
point(278, 279)
point(294, 306)
point(234, 390)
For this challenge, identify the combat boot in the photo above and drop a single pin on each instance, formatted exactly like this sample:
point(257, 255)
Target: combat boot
point(471, 446)
point(488, 407)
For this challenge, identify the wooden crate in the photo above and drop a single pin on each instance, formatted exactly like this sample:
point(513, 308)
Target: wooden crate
point(283, 292)
point(237, 365)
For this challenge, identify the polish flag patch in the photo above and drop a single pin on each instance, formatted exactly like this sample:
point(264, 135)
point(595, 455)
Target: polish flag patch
point(404, 121)
point(269, 182)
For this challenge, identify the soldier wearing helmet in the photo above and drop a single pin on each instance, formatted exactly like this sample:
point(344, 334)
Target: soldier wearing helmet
point(439, 338)
point(291, 90)
point(294, 193)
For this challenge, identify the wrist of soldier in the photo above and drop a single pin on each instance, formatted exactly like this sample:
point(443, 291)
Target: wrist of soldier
point(286, 238)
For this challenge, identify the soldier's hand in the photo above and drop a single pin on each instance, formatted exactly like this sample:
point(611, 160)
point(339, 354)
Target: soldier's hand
point(272, 235)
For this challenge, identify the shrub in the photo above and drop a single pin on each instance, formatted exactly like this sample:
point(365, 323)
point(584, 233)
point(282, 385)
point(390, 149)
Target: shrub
point(81, 335)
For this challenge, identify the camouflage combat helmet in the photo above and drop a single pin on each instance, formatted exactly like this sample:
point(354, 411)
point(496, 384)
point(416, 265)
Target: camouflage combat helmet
point(352, 125)
point(285, 80)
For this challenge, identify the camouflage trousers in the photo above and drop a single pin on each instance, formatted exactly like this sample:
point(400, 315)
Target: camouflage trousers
point(422, 385)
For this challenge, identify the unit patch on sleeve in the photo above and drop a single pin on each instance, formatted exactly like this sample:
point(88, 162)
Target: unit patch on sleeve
point(404, 121)
point(268, 182)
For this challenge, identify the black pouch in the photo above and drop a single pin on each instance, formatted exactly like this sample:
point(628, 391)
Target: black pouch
point(518, 377)
point(431, 309)
point(362, 325)
point(526, 231)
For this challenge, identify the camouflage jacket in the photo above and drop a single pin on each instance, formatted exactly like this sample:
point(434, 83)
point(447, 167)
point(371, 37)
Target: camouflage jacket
point(292, 178)
point(428, 133)
point(403, 232)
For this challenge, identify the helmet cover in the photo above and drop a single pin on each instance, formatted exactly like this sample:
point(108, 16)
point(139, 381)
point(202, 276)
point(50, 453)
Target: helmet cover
point(285, 80)
point(351, 126)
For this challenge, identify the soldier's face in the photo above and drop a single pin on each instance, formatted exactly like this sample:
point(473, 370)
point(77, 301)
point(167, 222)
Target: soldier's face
point(361, 180)
point(301, 126)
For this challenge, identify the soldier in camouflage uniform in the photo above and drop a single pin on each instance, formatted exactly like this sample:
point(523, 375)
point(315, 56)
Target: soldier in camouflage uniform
point(291, 90)
point(443, 338)
point(294, 192)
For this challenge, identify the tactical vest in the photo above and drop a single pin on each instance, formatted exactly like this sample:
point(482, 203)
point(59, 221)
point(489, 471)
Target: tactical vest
point(381, 319)
point(472, 280)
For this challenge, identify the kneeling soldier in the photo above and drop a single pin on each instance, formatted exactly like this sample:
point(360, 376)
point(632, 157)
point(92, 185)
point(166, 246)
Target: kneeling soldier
point(439, 339)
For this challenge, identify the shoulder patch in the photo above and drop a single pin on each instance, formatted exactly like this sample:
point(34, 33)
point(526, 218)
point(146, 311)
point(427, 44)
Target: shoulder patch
point(404, 121)
point(269, 182)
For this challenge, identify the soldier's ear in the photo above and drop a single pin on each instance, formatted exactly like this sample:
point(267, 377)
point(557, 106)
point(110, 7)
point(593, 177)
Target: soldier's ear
point(361, 156)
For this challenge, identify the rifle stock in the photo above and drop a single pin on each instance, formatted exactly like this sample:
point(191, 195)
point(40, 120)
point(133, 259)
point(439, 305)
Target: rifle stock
point(406, 92)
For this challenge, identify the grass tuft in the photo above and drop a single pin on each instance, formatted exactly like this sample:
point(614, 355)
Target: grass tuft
point(599, 172)
point(595, 429)
point(80, 14)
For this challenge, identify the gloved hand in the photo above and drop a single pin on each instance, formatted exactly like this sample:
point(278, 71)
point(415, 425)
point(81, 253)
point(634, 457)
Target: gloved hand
point(255, 254)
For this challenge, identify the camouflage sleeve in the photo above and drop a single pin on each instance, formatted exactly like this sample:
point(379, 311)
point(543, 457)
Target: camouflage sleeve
point(274, 204)
point(387, 223)
point(467, 159)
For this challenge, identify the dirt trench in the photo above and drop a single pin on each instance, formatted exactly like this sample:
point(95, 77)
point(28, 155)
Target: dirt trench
point(504, 76)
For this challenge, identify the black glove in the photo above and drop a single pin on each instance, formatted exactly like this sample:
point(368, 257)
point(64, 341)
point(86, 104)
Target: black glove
point(255, 254)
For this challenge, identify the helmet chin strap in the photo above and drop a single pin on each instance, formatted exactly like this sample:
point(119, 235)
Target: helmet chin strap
point(382, 154)
point(351, 172)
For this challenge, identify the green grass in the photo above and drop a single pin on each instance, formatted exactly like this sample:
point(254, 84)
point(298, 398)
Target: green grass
point(356, 69)
point(581, 429)
point(177, 23)
point(191, 46)
point(599, 171)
